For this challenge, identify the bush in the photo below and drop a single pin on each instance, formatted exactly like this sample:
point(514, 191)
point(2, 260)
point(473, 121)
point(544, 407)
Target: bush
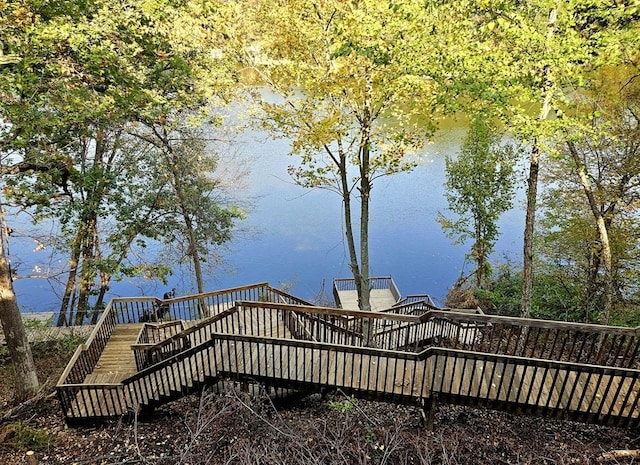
point(21, 436)
point(555, 297)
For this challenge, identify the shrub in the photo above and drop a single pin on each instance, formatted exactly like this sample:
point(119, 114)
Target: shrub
point(21, 436)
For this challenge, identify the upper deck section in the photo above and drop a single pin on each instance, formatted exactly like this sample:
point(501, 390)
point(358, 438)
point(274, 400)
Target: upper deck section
point(384, 293)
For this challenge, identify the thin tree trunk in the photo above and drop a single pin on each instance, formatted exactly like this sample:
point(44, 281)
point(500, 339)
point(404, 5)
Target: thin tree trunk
point(193, 251)
point(188, 221)
point(532, 185)
point(593, 284)
point(365, 197)
point(74, 260)
point(348, 224)
point(529, 225)
point(26, 378)
point(603, 233)
point(478, 251)
point(191, 233)
point(87, 273)
point(105, 278)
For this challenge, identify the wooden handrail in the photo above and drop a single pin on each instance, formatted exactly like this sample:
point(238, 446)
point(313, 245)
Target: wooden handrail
point(101, 322)
point(324, 310)
point(192, 329)
point(72, 362)
point(536, 323)
point(535, 346)
point(86, 347)
point(289, 296)
point(219, 292)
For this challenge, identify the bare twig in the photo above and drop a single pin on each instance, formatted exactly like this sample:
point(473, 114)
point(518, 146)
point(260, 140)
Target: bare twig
point(619, 454)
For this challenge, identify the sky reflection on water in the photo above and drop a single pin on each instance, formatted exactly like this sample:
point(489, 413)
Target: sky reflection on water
point(296, 234)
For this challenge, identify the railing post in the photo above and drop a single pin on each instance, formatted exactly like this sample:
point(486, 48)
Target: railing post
point(429, 411)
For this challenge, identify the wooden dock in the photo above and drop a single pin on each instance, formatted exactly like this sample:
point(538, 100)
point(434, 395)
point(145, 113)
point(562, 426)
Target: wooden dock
point(38, 328)
point(381, 299)
point(383, 293)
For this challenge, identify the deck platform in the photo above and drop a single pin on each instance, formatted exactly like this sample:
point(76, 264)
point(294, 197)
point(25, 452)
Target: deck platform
point(381, 299)
point(117, 361)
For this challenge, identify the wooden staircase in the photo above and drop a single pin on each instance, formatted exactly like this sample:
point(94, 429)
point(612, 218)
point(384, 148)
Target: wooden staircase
point(573, 371)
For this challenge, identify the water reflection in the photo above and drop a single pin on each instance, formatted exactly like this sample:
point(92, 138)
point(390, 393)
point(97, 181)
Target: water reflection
point(301, 234)
point(296, 238)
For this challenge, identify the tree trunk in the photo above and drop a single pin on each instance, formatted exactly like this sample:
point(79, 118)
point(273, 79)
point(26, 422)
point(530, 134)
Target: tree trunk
point(87, 274)
point(529, 225)
point(354, 266)
point(365, 196)
point(364, 298)
point(532, 185)
point(26, 378)
point(74, 261)
point(593, 283)
point(99, 306)
point(185, 209)
point(603, 233)
point(362, 283)
point(478, 252)
point(193, 250)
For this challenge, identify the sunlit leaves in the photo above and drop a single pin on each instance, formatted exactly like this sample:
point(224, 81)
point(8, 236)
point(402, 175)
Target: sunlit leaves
point(606, 148)
point(344, 69)
point(89, 74)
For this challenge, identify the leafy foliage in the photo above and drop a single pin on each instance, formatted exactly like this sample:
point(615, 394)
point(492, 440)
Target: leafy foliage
point(605, 150)
point(351, 79)
point(88, 75)
point(479, 188)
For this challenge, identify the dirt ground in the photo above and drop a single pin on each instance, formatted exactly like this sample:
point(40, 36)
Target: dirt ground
point(236, 428)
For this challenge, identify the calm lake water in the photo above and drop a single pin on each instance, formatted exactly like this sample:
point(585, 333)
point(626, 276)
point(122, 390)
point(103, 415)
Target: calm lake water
point(294, 236)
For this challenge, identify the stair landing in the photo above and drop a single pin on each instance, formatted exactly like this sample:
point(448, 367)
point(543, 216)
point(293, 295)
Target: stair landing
point(117, 361)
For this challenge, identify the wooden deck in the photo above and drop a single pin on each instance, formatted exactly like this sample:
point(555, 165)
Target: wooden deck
point(38, 329)
point(381, 299)
point(581, 372)
point(117, 361)
point(384, 376)
point(394, 375)
point(383, 293)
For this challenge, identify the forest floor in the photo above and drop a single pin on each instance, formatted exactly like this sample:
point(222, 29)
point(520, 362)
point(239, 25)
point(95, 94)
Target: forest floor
point(239, 429)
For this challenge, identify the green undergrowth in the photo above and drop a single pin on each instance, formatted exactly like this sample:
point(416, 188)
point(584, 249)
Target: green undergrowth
point(22, 436)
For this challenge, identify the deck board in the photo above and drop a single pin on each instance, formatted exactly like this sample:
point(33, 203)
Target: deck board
point(117, 361)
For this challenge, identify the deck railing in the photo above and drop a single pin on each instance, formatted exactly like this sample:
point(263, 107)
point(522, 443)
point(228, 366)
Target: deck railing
point(152, 333)
point(542, 339)
point(140, 309)
point(426, 298)
point(221, 306)
point(86, 355)
point(472, 359)
point(580, 392)
point(519, 364)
